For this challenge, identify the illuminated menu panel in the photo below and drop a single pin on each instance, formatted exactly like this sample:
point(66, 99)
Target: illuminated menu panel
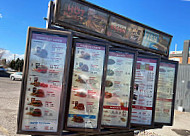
point(117, 91)
point(86, 86)
point(44, 82)
point(143, 98)
point(165, 92)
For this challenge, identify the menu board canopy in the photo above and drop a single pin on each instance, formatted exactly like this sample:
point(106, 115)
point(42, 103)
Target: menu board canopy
point(84, 107)
point(118, 88)
point(88, 18)
point(144, 95)
point(44, 82)
point(165, 100)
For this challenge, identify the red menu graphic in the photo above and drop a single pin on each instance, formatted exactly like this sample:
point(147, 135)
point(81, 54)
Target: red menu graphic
point(117, 91)
point(143, 91)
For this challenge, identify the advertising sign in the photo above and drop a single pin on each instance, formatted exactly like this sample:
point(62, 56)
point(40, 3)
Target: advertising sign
point(43, 91)
point(91, 19)
point(119, 28)
point(166, 92)
point(86, 90)
point(144, 91)
point(83, 16)
point(155, 41)
point(118, 89)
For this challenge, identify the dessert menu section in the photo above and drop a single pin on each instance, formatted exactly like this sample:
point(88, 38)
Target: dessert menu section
point(117, 89)
point(44, 82)
point(142, 105)
point(165, 92)
point(86, 86)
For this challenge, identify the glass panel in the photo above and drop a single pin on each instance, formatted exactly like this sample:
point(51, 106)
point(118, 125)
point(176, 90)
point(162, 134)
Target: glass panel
point(143, 97)
point(117, 91)
point(165, 92)
point(86, 86)
point(44, 82)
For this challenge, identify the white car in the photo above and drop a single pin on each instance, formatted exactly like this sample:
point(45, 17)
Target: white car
point(16, 76)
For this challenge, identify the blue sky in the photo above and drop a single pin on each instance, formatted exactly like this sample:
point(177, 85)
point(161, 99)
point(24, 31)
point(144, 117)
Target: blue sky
point(170, 16)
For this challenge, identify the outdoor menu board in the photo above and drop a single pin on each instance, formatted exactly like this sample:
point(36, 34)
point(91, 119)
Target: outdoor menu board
point(166, 92)
point(118, 89)
point(86, 88)
point(88, 18)
point(44, 78)
point(144, 91)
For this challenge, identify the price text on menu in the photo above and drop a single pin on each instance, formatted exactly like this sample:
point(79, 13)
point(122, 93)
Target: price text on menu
point(165, 92)
point(143, 91)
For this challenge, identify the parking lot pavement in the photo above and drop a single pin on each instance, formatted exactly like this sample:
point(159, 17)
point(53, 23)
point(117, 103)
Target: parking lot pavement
point(9, 102)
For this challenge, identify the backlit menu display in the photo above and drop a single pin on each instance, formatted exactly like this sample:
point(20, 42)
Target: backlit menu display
point(44, 82)
point(86, 86)
point(117, 91)
point(142, 105)
point(165, 92)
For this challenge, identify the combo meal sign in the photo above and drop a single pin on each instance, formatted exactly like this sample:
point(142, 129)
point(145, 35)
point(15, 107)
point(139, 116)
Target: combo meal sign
point(83, 85)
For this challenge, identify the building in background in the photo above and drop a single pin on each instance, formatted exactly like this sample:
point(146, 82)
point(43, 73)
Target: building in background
point(183, 78)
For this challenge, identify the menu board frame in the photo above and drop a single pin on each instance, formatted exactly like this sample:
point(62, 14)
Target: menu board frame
point(103, 44)
point(61, 22)
point(174, 92)
point(135, 53)
point(20, 119)
point(157, 57)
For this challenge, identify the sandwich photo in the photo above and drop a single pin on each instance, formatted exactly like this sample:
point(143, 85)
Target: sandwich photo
point(38, 93)
point(36, 103)
point(78, 119)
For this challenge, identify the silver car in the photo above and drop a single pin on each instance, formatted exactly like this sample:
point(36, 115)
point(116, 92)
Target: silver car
point(16, 76)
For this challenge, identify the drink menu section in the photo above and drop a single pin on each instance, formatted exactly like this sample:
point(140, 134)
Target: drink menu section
point(165, 93)
point(86, 17)
point(86, 86)
point(44, 82)
point(144, 91)
point(117, 89)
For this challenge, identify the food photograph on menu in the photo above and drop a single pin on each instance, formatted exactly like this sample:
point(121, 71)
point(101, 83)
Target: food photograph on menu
point(117, 89)
point(83, 16)
point(86, 86)
point(121, 29)
point(144, 89)
point(44, 82)
point(117, 28)
point(165, 92)
point(134, 33)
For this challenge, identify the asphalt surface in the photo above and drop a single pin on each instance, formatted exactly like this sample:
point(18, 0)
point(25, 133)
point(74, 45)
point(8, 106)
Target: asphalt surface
point(9, 102)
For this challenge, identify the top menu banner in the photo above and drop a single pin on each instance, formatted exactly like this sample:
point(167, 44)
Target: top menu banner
point(91, 19)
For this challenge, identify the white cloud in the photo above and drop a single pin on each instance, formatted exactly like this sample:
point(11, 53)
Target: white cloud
point(185, 0)
point(1, 16)
point(10, 56)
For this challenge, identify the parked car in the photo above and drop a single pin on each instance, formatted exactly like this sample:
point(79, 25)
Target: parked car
point(2, 69)
point(16, 76)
